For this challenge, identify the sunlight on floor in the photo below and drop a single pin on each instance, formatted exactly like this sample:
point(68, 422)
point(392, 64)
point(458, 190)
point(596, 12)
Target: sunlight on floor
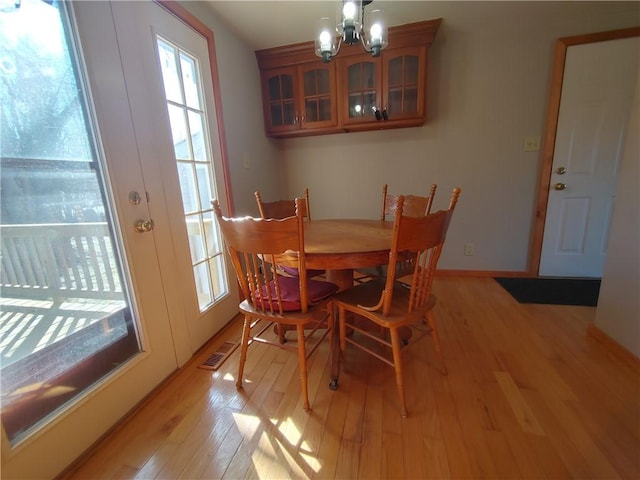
point(279, 451)
point(290, 431)
point(247, 424)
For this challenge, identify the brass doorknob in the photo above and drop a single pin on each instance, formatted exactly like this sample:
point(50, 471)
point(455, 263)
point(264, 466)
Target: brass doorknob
point(560, 186)
point(142, 226)
point(561, 170)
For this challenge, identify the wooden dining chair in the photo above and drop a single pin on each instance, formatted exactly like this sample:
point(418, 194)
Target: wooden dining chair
point(401, 300)
point(257, 248)
point(414, 206)
point(283, 208)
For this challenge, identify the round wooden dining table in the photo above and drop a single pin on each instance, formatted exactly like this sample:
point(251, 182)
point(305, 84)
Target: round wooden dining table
point(339, 246)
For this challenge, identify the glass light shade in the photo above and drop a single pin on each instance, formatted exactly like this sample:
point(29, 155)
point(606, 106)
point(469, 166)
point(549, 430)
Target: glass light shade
point(326, 40)
point(375, 35)
point(349, 17)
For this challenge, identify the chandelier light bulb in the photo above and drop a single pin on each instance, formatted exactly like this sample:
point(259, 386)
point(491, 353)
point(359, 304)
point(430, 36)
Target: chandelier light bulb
point(325, 40)
point(349, 12)
point(376, 32)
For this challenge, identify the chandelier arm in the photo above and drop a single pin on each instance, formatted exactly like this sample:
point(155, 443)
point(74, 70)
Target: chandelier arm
point(338, 46)
point(362, 31)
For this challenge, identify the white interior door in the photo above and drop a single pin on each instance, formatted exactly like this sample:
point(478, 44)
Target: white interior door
point(598, 85)
point(119, 46)
point(62, 438)
point(178, 127)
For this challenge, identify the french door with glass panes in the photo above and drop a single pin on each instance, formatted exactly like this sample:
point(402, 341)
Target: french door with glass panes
point(106, 218)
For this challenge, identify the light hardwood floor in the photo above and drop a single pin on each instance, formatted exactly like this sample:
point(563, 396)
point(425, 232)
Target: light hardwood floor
point(529, 395)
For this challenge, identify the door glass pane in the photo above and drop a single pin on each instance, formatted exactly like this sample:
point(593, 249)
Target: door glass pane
point(411, 70)
point(282, 107)
point(204, 288)
point(325, 109)
point(196, 128)
point(190, 81)
point(310, 83)
point(311, 110)
point(204, 183)
point(354, 77)
point(362, 95)
point(395, 71)
point(317, 102)
point(277, 115)
point(66, 319)
point(289, 112)
point(192, 149)
point(274, 88)
point(368, 75)
point(395, 101)
point(323, 81)
point(410, 100)
point(170, 73)
point(402, 93)
point(179, 132)
point(287, 86)
point(188, 187)
point(196, 237)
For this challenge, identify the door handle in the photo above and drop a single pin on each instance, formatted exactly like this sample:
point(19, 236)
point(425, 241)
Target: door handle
point(560, 186)
point(561, 170)
point(142, 226)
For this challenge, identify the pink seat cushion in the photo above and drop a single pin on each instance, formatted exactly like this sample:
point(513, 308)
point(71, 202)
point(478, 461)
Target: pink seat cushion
point(290, 292)
point(293, 271)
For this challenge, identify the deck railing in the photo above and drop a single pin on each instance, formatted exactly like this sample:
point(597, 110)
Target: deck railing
point(58, 261)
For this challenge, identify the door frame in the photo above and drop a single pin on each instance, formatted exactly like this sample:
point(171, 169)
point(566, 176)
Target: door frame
point(557, 77)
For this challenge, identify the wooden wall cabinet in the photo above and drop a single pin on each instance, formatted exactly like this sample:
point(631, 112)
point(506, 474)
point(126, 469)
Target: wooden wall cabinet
point(354, 92)
point(299, 99)
point(384, 92)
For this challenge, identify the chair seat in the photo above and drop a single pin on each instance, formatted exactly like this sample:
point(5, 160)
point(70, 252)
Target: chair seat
point(368, 294)
point(290, 291)
point(287, 318)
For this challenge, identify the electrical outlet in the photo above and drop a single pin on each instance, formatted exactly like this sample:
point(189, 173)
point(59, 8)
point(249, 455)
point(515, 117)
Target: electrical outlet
point(468, 249)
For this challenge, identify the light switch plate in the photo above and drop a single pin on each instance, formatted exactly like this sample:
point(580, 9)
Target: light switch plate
point(531, 144)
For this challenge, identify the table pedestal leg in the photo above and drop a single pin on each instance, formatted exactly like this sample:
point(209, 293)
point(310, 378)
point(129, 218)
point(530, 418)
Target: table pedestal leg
point(343, 278)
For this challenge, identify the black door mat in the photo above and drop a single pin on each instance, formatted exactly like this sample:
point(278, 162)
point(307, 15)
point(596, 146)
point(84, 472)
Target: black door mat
point(217, 358)
point(553, 291)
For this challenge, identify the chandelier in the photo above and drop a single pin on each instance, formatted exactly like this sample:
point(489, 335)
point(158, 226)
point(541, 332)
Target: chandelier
point(351, 28)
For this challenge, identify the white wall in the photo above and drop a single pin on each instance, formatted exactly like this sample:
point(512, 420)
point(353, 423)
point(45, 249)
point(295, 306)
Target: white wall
point(247, 145)
point(489, 74)
point(489, 84)
point(618, 313)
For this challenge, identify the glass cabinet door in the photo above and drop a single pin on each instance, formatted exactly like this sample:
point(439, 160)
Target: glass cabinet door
point(281, 100)
point(404, 82)
point(361, 79)
point(318, 96)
